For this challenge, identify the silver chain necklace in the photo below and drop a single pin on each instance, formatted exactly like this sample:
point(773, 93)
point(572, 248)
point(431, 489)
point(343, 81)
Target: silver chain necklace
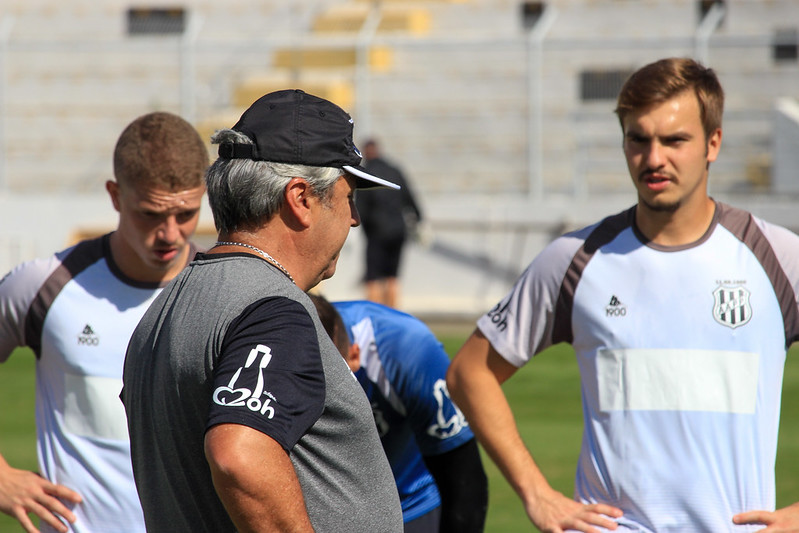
point(266, 256)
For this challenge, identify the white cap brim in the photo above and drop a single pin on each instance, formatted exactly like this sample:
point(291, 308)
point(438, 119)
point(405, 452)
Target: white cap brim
point(379, 182)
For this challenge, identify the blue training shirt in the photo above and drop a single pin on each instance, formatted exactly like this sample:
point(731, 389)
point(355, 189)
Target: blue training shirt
point(403, 373)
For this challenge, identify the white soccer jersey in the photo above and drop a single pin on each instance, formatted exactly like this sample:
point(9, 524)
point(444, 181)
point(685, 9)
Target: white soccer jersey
point(77, 312)
point(681, 354)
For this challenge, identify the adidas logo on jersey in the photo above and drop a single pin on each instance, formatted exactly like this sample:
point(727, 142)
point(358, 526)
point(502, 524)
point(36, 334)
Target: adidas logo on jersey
point(615, 307)
point(87, 337)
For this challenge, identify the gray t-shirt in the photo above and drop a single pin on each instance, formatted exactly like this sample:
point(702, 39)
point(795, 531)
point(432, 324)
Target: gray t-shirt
point(232, 340)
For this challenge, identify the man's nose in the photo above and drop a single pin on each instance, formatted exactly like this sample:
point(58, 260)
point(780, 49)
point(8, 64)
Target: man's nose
point(169, 229)
point(655, 155)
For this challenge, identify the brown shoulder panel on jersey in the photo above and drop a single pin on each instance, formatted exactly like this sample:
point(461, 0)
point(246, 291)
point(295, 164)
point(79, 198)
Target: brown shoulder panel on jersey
point(741, 224)
point(605, 232)
point(81, 257)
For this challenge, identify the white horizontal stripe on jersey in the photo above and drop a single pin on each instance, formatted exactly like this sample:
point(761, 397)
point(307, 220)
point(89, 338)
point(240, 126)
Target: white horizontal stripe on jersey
point(92, 407)
point(677, 380)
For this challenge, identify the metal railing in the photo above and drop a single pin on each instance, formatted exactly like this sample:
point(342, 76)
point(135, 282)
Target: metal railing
point(559, 143)
point(487, 114)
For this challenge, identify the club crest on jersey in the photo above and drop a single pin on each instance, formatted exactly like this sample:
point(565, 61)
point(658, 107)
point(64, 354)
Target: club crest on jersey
point(731, 305)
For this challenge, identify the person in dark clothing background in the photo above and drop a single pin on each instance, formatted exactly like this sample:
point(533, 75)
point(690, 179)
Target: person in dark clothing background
point(385, 218)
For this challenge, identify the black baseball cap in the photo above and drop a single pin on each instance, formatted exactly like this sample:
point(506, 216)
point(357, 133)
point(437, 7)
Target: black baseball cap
point(292, 126)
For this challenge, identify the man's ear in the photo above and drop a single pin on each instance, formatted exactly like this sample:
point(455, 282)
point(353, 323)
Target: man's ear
point(113, 191)
point(354, 357)
point(298, 200)
point(713, 145)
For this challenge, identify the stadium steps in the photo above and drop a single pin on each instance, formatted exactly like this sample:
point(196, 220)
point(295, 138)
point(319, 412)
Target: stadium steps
point(337, 89)
point(322, 71)
point(406, 18)
point(441, 133)
point(323, 57)
point(348, 19)
point(326, 71)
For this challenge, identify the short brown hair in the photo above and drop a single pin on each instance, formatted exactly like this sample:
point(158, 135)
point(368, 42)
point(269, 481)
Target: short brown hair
point(664, 79)
point(163, 150)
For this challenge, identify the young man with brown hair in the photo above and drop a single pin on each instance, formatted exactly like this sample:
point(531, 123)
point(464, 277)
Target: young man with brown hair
point(680, 311)
point(76, 311)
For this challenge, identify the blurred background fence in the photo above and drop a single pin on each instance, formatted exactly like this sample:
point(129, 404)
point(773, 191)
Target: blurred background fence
point(499, 111)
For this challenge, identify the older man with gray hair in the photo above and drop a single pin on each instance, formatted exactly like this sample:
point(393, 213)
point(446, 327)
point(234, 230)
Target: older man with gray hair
point(242, 414)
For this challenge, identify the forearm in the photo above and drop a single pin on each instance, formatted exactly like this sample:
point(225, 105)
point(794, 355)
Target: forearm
point(255, 480)
point(474, 382)
point(463, 488)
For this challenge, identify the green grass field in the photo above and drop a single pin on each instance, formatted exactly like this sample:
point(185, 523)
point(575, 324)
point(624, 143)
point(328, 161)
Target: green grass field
point(544, 395)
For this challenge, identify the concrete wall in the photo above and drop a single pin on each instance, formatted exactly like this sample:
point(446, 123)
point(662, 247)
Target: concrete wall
point(455, 110)
point(785, 177)
point(474, 246)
